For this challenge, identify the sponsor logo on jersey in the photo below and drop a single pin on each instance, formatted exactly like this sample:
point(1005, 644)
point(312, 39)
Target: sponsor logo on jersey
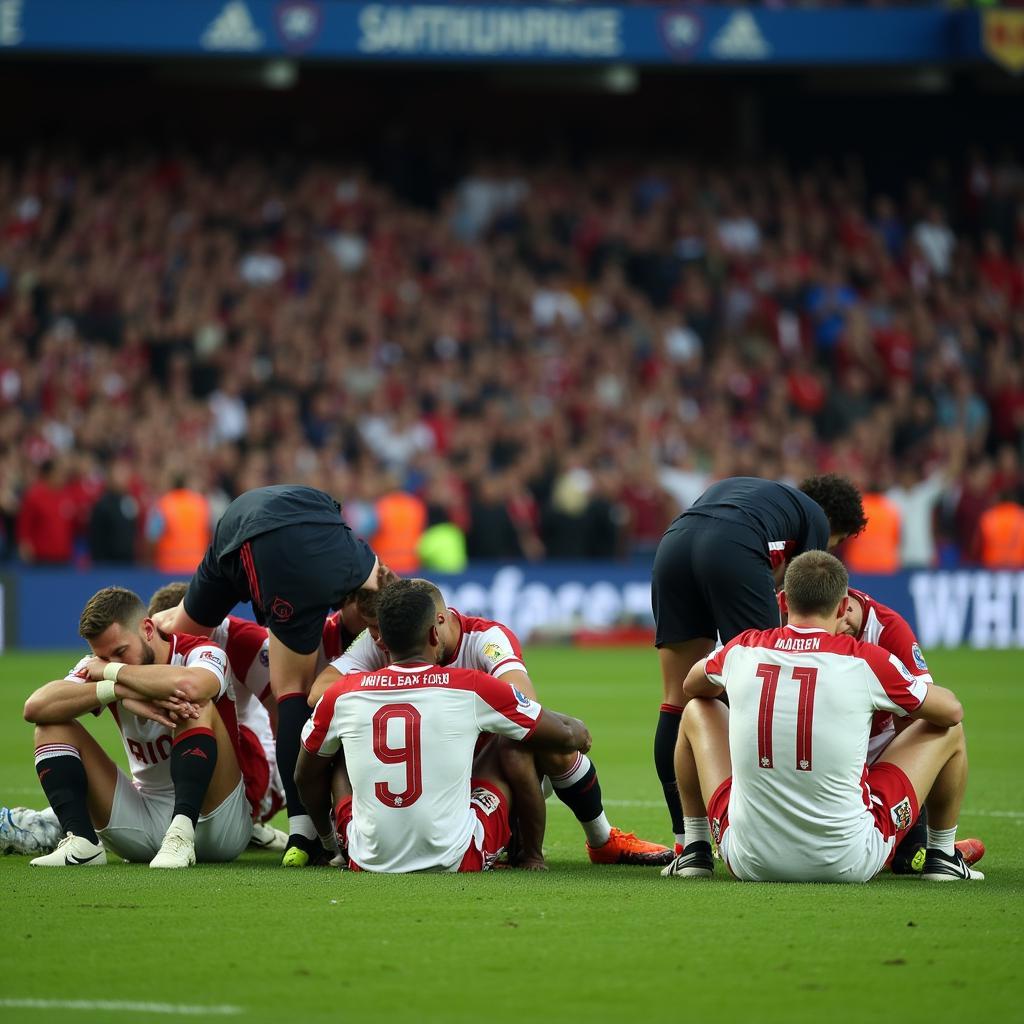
point(521, 699)
point(901, 815)
point(919, 658)
point(213, 656)
point(232, 29)
point(298, 24)
point(740, 38)
point(485, 800)
point(493, 652)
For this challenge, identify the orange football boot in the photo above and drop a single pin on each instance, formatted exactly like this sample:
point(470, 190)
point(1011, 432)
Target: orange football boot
point(972, 849)
point(625, 848)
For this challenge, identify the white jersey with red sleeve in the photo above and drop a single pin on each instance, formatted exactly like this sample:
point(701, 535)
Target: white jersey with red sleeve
point(800, 708)
point(247, 646)
point(885, 627)
point(484, 645)
point(148, 744)
point(408, 734)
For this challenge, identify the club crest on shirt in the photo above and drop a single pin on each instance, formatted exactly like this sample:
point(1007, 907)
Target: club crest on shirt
point(493, 652)
point(901, 815)
point(919, 658)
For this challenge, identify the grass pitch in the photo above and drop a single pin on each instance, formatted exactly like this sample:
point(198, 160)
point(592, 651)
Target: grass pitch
point(258, 943)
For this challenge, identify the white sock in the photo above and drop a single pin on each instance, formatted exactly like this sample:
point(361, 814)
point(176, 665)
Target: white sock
point(697, 831)
point(301, 825)
point(598, 831)
point(183, 823)
point(680, 839)
point(943, 839)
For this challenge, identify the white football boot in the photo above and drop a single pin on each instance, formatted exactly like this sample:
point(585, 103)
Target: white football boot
point(73, 851)
point(178, 850)
point(266, 837)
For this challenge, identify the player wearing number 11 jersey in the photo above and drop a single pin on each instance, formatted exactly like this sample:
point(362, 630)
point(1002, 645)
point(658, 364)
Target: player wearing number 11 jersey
point(782, 774)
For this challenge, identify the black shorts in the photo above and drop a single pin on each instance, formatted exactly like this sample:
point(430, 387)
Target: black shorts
point(293, 576)
point(711, 578)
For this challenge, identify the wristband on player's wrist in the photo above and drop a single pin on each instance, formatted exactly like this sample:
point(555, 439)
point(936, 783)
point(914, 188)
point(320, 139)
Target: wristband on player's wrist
point(111, 669)
point(105, 691)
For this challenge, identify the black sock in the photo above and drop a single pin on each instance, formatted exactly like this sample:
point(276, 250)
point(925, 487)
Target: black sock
point(915, 839)
point(665, 761)
point(292, 714)
point(62, 776)
point(582, 795)
point(193, 759)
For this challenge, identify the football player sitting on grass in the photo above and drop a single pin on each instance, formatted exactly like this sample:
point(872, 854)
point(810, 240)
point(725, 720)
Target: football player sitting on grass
point(185, 799)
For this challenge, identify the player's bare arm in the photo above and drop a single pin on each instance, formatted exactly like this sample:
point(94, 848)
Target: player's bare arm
point(560, 733)
point(156, 682)
point(940, 707)
point(177, 620)
point(321, 684)
point(697, 683)
point(313, 776)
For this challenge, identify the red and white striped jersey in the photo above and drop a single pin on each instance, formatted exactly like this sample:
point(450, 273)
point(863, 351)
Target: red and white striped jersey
point(885, 627)
point(148, 744)
point(408, 733)
point(335, 641)
point(800, 708)
point(484, 645)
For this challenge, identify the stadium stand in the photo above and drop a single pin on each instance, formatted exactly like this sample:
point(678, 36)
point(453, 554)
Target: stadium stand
point(555, 361)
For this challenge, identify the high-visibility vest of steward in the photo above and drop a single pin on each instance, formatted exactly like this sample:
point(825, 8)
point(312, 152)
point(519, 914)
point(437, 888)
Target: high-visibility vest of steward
point(186, 535)
point(877, 547)
point(401, 520)
point(1002, 536)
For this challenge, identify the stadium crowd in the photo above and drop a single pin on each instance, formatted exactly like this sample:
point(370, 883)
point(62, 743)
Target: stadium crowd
point(550, 363)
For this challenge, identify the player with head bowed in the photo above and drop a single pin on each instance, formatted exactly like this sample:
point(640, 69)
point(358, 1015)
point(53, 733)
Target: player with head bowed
point(486, 646)
point(287, 550)
point(716, 572)
point(412, 797)
point(780, 776)
point(185, 799)
point(875, 623)
point(247, 645)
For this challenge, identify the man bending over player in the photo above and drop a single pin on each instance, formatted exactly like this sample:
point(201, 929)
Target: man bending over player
point(780, 777)
point(488, 646)
point(185, 798)
point(405, 735)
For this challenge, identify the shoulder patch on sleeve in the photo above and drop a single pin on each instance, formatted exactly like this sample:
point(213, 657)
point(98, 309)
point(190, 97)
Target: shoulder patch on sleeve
point(919, 658)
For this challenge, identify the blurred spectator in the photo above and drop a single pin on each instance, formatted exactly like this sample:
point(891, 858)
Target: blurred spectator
point(1002, 535)
point(401, 520)
point(114, 519)
point(46, 520)
point(975, 498)
point(179, 528)
point(877, 547)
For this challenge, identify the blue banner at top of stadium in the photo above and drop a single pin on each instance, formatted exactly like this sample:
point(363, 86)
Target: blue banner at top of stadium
point(537, 33)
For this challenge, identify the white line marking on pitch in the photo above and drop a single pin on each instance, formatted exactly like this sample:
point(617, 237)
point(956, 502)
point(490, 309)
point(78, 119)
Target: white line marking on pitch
point(121, 1006)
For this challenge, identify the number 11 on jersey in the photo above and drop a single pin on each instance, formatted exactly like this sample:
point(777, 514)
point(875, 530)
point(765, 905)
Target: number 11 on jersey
point(808, 679)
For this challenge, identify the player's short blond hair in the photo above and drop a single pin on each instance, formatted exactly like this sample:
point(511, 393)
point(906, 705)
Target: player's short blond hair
point(107, 606)
point(168, 596)
point(815, 583)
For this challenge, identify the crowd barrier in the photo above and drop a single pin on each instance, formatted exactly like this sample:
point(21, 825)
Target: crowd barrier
point(976, 608)
point(719, 35)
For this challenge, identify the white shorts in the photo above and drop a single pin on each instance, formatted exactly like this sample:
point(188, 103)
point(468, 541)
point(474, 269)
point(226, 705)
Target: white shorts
point(139, 821)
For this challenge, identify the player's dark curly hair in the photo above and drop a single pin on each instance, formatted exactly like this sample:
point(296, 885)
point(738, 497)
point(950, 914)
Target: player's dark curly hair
point(839, 500)
point(170, 595)
point(405, 613)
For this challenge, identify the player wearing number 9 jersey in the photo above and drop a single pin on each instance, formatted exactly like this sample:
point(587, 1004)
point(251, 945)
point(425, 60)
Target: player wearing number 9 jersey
point(406, 734)
point(782, 773)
